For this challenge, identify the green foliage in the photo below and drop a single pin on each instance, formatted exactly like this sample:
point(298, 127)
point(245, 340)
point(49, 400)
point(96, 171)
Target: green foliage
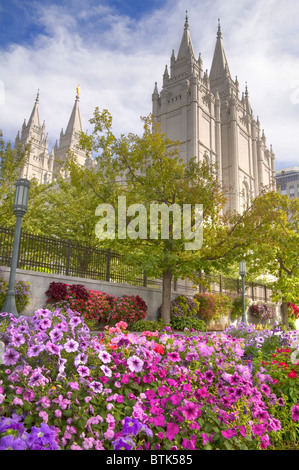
point(236, 311)
point(213, 306)
point(180, 323)
point(21, 294)
point(149, 325)
point(292, 323)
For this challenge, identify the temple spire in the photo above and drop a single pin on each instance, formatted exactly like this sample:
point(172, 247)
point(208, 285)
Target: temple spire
point(75, 123)
point(219, 65)
point(186, 43)
point(34, 119)
point(219, 33)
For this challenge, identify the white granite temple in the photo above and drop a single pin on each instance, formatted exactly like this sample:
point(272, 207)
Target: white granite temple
point(212, 121)
point(203, 110)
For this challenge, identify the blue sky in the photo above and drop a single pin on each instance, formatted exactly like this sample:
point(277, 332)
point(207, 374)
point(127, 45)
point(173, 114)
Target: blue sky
point(117, 50)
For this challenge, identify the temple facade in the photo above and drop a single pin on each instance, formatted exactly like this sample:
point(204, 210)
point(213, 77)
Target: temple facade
point(42, 164)
point(204, 111)
point(213, 121)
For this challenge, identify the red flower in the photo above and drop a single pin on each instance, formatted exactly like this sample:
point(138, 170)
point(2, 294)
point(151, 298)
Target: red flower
point(159, 349)
point(292, 374)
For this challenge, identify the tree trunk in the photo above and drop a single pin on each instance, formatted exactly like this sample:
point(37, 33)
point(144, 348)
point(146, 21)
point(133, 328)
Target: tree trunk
point(166, 295)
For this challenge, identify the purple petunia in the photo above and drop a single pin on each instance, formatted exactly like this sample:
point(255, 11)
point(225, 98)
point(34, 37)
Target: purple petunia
point(83, 371)
point(10, 357)
point(96, 386)
point(135, 364)
point(12, 443)
point(131, 426)
point(123, 443)
point(35, 350)
point(71, 345)
point(105, 357)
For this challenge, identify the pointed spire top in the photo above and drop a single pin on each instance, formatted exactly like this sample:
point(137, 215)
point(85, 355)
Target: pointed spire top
point(186, 44)
point(75, 124)
point(219, 64)
point(246, 90)
point(34, 117)
point(219, 33)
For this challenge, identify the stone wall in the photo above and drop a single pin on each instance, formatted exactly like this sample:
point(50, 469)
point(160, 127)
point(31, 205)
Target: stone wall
point(39, 283)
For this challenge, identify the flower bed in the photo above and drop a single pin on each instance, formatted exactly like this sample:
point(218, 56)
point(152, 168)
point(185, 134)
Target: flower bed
point(61, 387)
point(96, 307)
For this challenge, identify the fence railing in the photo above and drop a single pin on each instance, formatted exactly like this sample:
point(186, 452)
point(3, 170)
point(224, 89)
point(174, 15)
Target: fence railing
point(56, 256)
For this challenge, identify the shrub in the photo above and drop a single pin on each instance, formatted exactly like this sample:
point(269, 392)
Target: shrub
point(79, 291)
point(96, 306)
point(22, 289)
point(182, 306)
point(128, 308)
point(57, 291)
point(237, 306)
point(150, 325)
point(262, 312)
point(180, 323)
point(293, 311)
point(213, 306)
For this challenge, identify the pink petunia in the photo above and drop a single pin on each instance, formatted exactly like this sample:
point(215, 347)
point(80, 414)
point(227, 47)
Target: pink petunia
point(295, 413)
point(171, 430)
point(229, 433)
point(159, 420)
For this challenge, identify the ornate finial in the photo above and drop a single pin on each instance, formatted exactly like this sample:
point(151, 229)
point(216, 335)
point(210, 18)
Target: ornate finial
point(37, 96)
point(78, 90)
point(219, 34)
point(246, 89)
point(186, 20)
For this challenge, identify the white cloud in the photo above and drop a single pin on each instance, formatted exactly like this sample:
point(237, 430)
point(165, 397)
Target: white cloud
point(117, 59)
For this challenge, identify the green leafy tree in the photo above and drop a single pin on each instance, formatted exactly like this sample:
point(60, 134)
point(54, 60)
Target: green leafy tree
point(146, 170)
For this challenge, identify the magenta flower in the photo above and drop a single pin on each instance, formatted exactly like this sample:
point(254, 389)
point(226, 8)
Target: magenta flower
point(174, 356)
point(206, 438)
point(258, 429)
point(74, 385)
point(53, 348)
point(264, 388)
point(190, 410)
point(229, 433)
point(159, 420)
point(171, 430)
point(295, 413)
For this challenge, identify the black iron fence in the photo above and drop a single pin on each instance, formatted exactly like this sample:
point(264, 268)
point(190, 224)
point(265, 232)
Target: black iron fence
point(57, 256)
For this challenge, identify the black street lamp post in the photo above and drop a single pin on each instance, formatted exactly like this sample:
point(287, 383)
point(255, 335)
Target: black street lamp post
point(242, 271)
point(20, 208)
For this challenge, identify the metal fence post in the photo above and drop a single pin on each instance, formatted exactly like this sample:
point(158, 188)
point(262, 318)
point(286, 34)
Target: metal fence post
point(68, 256)
point(108, 255)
